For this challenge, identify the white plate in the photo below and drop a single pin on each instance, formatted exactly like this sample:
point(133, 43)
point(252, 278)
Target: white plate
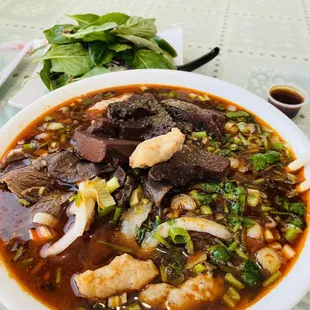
point(34, 89)
point(293, 287)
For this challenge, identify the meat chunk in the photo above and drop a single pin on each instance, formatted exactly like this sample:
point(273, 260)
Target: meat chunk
point(68, 168)
point(97, 149)
point(124, 273)
point(136, 107)
point(104, 126)
point(211, 121)
point(202, 288)
point(187, 167)
point(157, 150)
point(155, 191)
point(27, 182)
point(104, 104)
point(122, 195)
point(53, 204)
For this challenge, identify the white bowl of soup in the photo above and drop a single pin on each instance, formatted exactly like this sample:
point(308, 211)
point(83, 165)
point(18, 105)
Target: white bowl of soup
point(152, 189)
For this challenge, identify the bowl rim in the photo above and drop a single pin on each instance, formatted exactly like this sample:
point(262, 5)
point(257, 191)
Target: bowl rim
point(286, 294)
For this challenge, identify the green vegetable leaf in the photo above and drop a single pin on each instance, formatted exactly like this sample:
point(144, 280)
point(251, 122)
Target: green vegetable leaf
point(175, 264)
point(250, 273)
point(141, 42)
point(115, 17)
point(57, 34)
point(298, 208)
point(45, 74)
point(72, 59)
point(219, 255)
point(297, 221)
point(211, 187)
point(99, 53)
point(93, 33)
point(119, 47)
point(261, 160)
point(95, 71)
point(165, 46)
point(84, 20)
point(180, 235)
point(145, 59)
point(63, 80)
point(138, 26)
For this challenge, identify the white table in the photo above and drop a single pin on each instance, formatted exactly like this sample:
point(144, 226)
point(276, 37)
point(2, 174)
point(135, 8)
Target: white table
point(262, 41)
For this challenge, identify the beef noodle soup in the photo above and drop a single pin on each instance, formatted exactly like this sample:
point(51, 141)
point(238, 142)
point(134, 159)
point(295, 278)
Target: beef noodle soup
point(148, 197)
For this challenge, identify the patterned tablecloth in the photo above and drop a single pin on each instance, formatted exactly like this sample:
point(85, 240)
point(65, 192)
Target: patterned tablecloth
point(262, 42)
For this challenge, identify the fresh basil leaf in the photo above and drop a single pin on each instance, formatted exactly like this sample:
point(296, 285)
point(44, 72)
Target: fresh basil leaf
point(138, 26)
point(62, 80)
point(37, 49)
point(84, 20)
point(119, 47)
point(164, 45)
point(115, 17)
point(93, 33)
point(72, 59)
point(95, 71)
point(99, 53)
point(56, 34)
point(141, 42)
point(126, 56)
point(45, 74)
point(149, 59)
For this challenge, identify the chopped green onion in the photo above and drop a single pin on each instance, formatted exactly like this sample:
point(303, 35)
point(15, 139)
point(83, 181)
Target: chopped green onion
point(117, 214)
point(241, 254)
point(106, 210)
point(27, 261)
point(199, 268)
point(180, 235)
point(136, 196)
point(243, 127)
point(243, 139)
point(63, 138)
point(48, 119)
point(30, 147)
point(163, 274)
point(278, 146)
point(210, 148)
point(117, 248)
point(237, 114)
point(206, 210)
point(54, 126)
point(72, 198)
point(233, 281)
point(272, 279)
point(24, 202)
point(199, 134)
point(292, 233)
point(18, 254)
point(228, 301)
point(58, 275)
point(113, 184)
point(233, 246)
point(162, 240)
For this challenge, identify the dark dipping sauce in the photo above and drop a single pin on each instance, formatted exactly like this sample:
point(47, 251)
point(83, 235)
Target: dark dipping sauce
point(287, 96)
point(255, 192)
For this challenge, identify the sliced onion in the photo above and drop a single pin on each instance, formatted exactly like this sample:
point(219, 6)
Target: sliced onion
point(183, 201)
point(190, 224)
point(45, 219)
point(269, 259)
point(82, 214)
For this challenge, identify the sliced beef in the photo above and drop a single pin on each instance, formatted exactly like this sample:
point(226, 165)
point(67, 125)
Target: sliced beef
point(27, 182)
point(122, 195)
point(104, 126)
point(211, 121)
point(134, 130)
point(53, 204)
point(187, 167)
point(155, 191)
point(68, 168)
point(136, 107)
point(96, 149)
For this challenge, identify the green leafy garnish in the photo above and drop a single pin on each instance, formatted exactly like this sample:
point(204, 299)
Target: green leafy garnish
point(261, 160)
point(219, 255)
point(250, 273)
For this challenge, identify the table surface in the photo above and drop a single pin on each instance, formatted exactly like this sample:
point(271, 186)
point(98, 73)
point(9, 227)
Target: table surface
point(263, 42)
